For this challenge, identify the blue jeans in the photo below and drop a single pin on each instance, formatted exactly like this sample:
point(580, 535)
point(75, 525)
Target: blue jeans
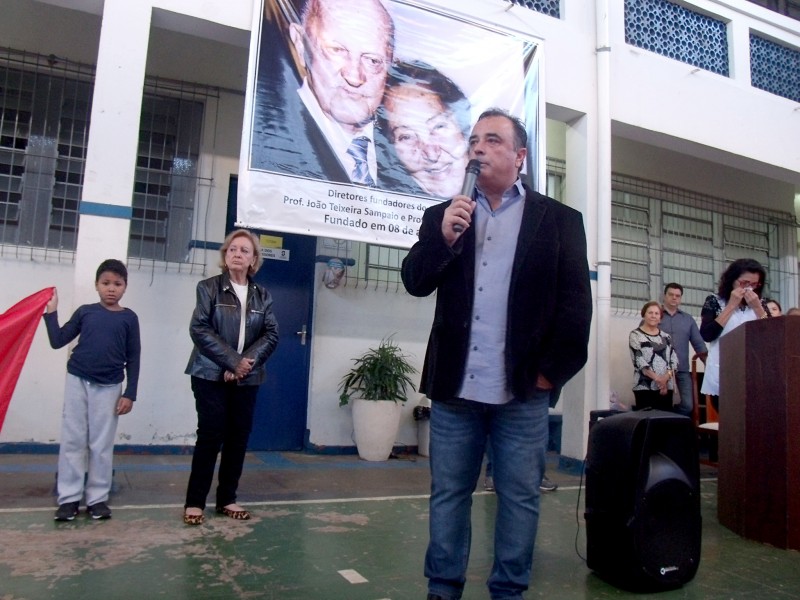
point(517, 432)
point(683, 381)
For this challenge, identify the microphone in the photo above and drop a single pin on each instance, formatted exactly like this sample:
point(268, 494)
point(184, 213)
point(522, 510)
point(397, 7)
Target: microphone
point(472, 171)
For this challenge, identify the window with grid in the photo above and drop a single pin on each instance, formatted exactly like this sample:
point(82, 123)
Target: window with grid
point(551, 8)
point(45, 108)
point(556, 171)
point(43, 133)
point(744, 238)
point(688, 253)
point(677, 32)
point(774, 68)
point(73, 136)
point(15, 118)
point(166, 177)
point(662, 234)
point(630, 249)
point(383, 265)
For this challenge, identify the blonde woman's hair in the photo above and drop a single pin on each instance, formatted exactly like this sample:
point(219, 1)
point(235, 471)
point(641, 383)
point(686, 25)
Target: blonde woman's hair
point(256, 249)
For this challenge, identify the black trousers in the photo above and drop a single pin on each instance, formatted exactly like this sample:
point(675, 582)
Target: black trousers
point(652, 399)
point(224, 421)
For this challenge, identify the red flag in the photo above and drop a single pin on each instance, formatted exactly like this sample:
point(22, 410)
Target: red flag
point(17, 326)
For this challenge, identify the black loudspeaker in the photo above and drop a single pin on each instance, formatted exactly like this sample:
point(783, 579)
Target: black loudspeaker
point(643, 523)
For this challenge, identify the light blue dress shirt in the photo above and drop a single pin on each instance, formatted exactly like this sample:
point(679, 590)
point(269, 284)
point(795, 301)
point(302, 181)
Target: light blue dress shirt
point(496, 233)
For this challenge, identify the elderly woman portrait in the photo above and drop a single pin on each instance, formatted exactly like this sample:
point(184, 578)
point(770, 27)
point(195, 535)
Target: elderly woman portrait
point(426, 119)
point(654, 361)
point(234, 333)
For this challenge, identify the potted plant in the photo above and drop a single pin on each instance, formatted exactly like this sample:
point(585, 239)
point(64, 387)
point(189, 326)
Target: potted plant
point(376, 388)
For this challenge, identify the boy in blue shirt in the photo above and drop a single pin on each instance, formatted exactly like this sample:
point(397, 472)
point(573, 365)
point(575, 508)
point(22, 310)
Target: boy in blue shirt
point(108, 348)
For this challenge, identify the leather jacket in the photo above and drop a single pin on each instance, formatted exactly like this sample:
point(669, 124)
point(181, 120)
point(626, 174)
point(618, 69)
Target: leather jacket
point(214, 329)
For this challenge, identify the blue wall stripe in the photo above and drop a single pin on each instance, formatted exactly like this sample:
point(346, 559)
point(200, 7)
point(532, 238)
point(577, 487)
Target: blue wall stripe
point(203, 245)
point(98, 209)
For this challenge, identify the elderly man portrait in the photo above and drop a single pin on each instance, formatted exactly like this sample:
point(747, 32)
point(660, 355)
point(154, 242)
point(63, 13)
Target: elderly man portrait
point(321, 78)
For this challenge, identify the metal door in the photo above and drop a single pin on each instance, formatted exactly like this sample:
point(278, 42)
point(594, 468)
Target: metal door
point(282, 406)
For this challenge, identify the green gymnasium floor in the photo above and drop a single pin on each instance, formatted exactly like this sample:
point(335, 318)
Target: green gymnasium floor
point(324, 527)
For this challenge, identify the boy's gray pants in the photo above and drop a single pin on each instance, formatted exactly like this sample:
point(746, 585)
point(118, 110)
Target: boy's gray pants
point(88, 427)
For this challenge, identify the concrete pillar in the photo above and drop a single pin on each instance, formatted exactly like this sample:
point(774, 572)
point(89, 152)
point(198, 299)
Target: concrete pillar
point(582, 395)
point(113, 141)
point(739, 51)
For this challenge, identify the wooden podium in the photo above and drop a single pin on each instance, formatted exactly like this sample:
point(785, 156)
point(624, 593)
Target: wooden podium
point(759, 431)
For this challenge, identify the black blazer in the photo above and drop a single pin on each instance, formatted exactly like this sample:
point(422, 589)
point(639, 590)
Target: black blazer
point(285, 137)
point(550, 299)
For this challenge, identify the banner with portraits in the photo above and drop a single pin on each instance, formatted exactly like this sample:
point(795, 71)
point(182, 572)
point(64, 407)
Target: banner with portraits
point(358, 114)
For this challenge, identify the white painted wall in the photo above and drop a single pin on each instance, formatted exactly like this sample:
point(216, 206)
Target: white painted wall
point(700, 175)
point(163, 296)
point(34, 414)
point(24, 23)
point(347, 322)
point(719, 114)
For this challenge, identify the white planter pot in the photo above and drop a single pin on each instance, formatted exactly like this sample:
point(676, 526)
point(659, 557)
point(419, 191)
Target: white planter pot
point(375, 423)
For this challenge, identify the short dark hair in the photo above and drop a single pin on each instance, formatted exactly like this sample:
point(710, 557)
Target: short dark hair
point(420, 74)
point(112, 265)
point(673, 286)
point(734, 271)
point(775, 302)
point(520, 133)
point(649, 304)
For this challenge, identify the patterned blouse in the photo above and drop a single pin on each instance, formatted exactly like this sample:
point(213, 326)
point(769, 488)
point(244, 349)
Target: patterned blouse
point(710, 330)
point(654, 352)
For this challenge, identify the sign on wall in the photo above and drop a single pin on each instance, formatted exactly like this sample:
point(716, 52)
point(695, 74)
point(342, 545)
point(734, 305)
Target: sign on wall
point(358, 113)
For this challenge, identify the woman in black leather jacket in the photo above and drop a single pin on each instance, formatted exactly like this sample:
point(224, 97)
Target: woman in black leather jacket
point(234, 333)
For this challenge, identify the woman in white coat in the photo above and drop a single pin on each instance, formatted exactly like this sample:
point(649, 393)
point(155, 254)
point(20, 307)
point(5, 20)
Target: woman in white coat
point(737, 301)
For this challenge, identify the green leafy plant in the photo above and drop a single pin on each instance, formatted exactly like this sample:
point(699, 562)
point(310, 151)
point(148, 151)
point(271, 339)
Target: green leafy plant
point(381, 373)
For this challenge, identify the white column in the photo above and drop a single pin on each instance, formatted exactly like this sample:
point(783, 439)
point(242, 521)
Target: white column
point(589, 190)
point(113, 141)
point(580, 395)
point(739, 51)
point(603, 194)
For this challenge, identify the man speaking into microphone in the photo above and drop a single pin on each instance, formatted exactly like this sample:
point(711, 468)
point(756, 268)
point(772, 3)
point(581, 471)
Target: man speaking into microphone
point(468, 188)
point(511, 327)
